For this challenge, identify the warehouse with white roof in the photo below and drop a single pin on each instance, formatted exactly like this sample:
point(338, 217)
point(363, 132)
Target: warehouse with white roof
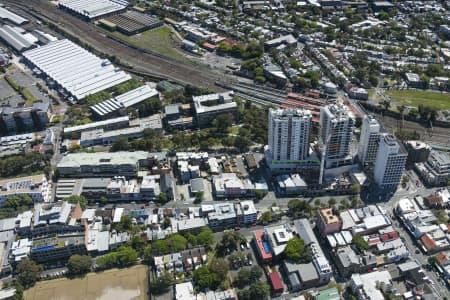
point(75, 69)
point(90, 10)
point(17, 38)
point(12, 17)
point(126, 100)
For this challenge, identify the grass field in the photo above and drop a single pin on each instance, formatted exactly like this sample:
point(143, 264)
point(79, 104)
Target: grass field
point(161, 40)
point(415, 98)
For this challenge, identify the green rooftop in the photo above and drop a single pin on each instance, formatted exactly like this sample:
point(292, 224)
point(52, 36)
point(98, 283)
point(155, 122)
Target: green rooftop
point(328, 294)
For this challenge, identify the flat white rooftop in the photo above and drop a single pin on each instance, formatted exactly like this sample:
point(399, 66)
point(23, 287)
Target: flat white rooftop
point(75, 69)
point(8, 15)
point(92, 8)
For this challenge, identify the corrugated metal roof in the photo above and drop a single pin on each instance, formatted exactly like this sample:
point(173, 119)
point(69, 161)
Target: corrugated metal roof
point(78, 71)
point(16, 19)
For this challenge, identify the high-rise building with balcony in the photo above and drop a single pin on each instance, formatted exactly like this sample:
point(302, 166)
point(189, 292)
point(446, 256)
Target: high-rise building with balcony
point(335, 134)
point(390, 162)
point(369, 141)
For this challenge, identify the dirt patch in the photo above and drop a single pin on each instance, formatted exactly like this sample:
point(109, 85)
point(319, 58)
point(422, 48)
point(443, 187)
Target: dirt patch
point(124, 284)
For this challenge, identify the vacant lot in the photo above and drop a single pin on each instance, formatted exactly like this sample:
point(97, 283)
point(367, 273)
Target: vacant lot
point(130, 284)
point(161, 40)
point(415, 98)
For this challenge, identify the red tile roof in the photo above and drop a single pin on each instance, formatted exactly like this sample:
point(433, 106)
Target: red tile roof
point(259, 234)
point(441, 258)
point(275, 282)
point(435, 200)
point(373, 241)
point(428, 242)
point(209, 46)
point(393, 235)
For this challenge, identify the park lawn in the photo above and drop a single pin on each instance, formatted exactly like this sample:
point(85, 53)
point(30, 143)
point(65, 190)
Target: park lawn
point(161, 40)
point(415, 98)
point(373, 95)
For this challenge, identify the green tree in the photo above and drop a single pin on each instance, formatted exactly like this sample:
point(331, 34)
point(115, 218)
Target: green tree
point(219, 267)
point(96, 98)
point(137, 243)
point(107, 261)
point(230, 240)
point(148, 254)
point(297, 207)
point(205, 237)
point(259, 290)
point(166, 222)
point(205, 279)
point(255, 273)
point(332, 201)
point(176, 242)
point(266, 217)
point(344, 203)
point(224, 47)
point(360, 242)
point(199, 196)
point(356, 188)
point(126, 256)
point(192, 239)
point(405, 180)
point(79, 264)
point(125, 224)
point(222, 122)
point(120, 144)
point(161, 284)
point(441, 216)
point(317, 202)
point(297, 251)
point(28, 272)
point(242, 278)
point(77, 199)
point(382, 15)
point(244, 294)
point(163, 198)
point(103, 200)
point(161, 247)
point(432, 260)
point(259, 195)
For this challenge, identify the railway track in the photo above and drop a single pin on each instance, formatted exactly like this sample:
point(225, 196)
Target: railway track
point(146, 62)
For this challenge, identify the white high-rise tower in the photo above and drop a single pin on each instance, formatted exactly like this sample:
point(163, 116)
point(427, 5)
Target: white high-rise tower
point(289, 132)
point(390, 162)
point(369, 141)
point(335, 135)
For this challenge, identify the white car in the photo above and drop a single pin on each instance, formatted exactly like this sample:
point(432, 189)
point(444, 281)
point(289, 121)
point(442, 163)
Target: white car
point(242, 247)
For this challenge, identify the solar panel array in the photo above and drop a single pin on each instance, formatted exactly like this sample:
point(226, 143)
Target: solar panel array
point(125, 100)
point(132, 21)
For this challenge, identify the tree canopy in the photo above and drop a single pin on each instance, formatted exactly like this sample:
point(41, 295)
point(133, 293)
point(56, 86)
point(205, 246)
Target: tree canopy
point(297, 251)
point(161, 284)
point(28, 272)
point(75, 199)
point(259, 290)
point(212, 275)
point(124, 256)
point(360, 242)
point(79, 264)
